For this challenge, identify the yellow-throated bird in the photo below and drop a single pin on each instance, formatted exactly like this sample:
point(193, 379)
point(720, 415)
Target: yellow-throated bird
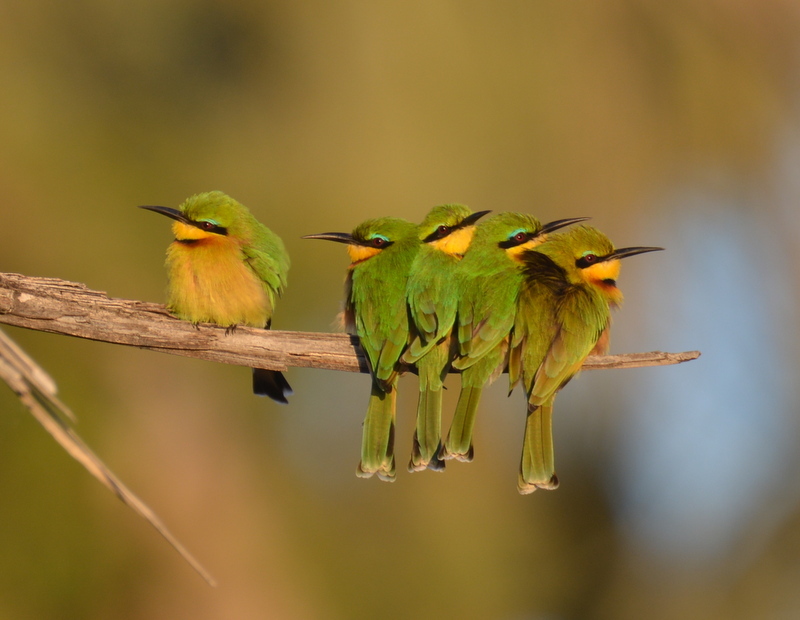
point(491, 274)
point(563, 316)
point(225, 267)
point(382, 251)
point(433, 293)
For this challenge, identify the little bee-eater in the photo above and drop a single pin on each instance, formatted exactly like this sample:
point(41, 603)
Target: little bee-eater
point(381, 253)
point(225, 267)
point(433, 292)
point(491, 276)
point(563, 316)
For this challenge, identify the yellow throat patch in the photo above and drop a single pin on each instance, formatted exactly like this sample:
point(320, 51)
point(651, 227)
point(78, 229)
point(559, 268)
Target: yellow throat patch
point(456, 243)
point(359, 253)
point(607, 270)
point(186, 232)
point(603, 276)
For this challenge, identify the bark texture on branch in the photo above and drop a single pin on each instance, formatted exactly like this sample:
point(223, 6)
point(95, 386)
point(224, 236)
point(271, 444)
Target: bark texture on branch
point(72, 309)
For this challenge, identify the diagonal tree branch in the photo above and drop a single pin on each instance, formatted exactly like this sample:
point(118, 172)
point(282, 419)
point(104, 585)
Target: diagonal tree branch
point(72, 309)
point(37, 391)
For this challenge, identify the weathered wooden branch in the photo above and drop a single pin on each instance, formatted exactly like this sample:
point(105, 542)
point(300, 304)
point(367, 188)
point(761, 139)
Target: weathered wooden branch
point(69, 308)
point(72, 309)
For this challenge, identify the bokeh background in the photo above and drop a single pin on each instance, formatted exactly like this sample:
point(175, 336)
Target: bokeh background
point(670, 123)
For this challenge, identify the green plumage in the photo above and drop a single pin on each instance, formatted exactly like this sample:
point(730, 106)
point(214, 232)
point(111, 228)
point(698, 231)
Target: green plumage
point(433, 291)
point(563, 312)
point(382, 251)
point(489, 278)
point(376, 308)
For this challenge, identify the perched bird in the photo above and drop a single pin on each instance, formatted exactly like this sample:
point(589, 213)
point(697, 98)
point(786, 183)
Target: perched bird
point(491, 275)
point(382, 251)
point(225, 267)
point(563, 315)
point(433, 292)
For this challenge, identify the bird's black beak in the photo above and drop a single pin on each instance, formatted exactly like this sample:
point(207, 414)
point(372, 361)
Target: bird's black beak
point(333, 236)
point(625, 252)
point(471, 219)
point(173, 213)
point(556, 224)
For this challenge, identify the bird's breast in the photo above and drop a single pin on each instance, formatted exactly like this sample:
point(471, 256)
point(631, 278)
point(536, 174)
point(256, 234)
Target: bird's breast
point(210, 282)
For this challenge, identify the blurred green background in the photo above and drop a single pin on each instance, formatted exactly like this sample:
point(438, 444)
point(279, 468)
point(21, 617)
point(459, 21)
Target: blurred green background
point(673, 124)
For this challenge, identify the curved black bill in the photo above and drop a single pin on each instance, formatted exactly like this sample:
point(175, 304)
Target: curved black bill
point(633, 251)
point(472, 218)
point(556, 224)
point(332, 236)
point(173, 213)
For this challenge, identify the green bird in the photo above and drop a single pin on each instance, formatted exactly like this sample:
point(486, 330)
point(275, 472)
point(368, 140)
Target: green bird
point(444, 236)
point(491, 275)
point(225, 267)
point(564, 314)
point(382, 252)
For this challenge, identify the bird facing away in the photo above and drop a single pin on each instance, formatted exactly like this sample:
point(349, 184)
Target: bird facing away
point(227, 268)
point(490, 278)
point(563, 316)
point(381, 253)
point(444, 236)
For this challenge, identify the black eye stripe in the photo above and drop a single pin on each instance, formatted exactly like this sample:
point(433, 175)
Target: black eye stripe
point(211, 227)
point(518, 239)
point(440, 233)
point(587, 261)
point(379, 243)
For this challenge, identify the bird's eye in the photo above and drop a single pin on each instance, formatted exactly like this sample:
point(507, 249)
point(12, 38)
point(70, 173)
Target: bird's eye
point(443, 230)
point(206, 225)
point(587, 260)
point(378, 242)
point(521, 237)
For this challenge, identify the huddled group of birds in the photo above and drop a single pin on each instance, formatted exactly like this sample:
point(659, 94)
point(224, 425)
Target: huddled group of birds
point(473, 292)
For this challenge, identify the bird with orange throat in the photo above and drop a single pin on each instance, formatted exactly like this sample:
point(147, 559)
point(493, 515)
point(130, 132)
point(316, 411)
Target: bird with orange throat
point(226, 267)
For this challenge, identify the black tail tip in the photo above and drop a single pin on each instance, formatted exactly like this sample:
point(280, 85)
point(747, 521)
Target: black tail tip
point(271, 383)
point(437, 464)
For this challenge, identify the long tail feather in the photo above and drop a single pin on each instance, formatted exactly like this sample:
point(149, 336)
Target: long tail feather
point(271, 383)
point(377, 442)
point(537, 467)
point(458, 444)
point(428, 434)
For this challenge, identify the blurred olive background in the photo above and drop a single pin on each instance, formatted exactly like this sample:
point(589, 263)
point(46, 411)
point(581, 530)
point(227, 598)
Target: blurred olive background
point(673, 124)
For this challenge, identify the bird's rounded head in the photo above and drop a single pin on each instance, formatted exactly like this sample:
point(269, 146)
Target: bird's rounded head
point(449, 228)
point(588, 256)
point(216, 209)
